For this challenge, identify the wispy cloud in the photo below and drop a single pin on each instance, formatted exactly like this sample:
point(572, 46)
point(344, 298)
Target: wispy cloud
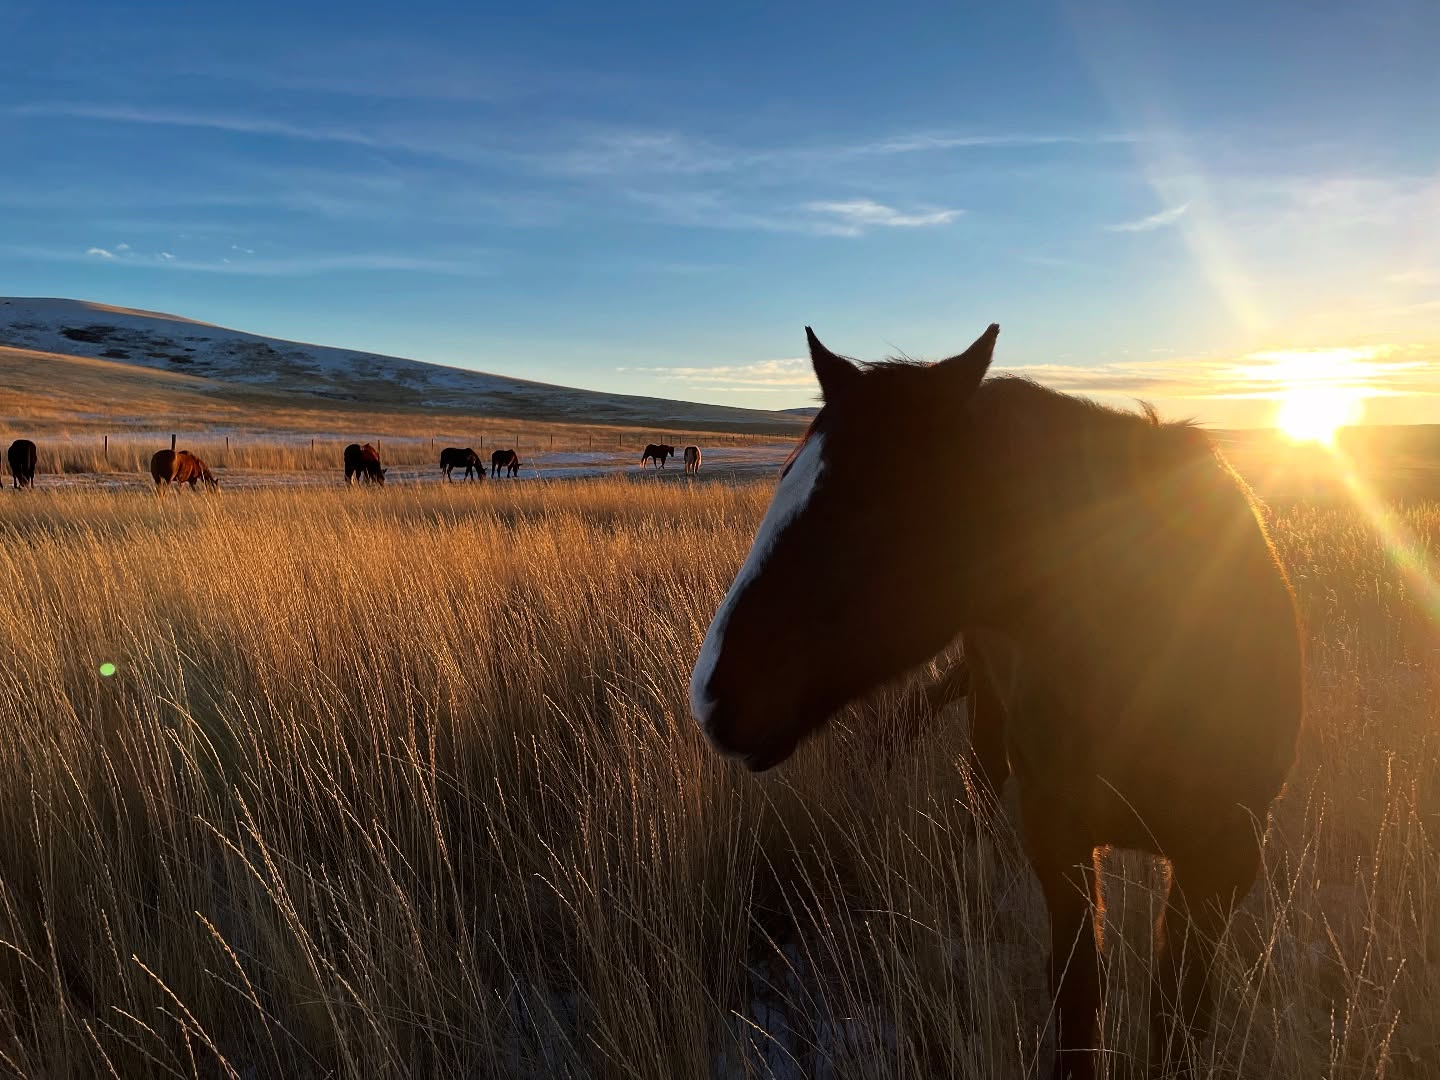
point(1368, 370)
point(762, 376)
point(855, 215)
point(457, 265)
point(1154, 221)
point(232, 122)
point(845, 218)
point(675, 153)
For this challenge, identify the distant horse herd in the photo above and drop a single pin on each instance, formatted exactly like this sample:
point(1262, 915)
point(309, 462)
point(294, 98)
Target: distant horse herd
point(362, 464)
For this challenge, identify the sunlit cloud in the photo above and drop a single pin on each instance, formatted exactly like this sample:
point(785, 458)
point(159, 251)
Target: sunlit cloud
point(99, 253)
point(763, 376)
point(1271, 375)
point(1154, 221)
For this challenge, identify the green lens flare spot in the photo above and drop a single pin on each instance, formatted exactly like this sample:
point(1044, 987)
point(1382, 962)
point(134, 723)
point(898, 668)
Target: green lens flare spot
point(107, 669)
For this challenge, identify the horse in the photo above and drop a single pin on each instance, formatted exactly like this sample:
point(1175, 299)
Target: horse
point(1123, 601)
point(508, 460)
point(179, 467)
point(362, 463)
point(21, 456)
point(658, 453)
point(455, 457)
point(692, 459)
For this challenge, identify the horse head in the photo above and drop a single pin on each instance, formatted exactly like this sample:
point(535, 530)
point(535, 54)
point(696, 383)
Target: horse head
point(851, 579)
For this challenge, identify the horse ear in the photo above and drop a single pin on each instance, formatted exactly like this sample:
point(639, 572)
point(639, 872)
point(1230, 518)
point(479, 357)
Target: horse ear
point(964, 372)
point(834, 373)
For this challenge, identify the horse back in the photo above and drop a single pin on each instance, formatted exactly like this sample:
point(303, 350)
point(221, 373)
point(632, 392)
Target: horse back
point(1161, 684)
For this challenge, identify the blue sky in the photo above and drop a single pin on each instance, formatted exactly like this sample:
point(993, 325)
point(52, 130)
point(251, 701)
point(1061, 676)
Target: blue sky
point(1151, 200)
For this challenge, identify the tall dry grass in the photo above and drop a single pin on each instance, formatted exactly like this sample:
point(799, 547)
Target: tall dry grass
point(401, 783)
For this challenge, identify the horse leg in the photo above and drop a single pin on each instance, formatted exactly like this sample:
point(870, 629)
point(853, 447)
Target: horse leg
point(1065, 865)
point(1202, 890)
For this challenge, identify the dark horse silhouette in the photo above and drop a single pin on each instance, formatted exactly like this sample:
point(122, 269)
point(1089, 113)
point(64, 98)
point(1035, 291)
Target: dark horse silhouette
point(692, 459)
point(1116, 570)
point(455, 457)
point(508, 460)
point(658, 453)
point(362, 463)
point(179, 467)
point(21, 456)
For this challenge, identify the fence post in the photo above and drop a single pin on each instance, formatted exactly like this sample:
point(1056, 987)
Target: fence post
point(107, 447)
point(172, 442)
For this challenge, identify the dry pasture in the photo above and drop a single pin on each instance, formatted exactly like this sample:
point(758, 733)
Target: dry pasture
point(401, 783)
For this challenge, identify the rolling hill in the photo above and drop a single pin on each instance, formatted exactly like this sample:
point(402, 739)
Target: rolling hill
point(72, 361)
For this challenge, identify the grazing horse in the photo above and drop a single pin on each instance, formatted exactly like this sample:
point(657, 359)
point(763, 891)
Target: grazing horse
point(362, 463)
point(179, 467)
point(658, 453)
point(21, 456)
point(508, 460)
point(455, 457)
point(692, 459)
point(1117, 569)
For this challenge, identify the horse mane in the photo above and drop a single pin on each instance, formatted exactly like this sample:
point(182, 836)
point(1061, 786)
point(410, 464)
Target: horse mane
point(1016, 396)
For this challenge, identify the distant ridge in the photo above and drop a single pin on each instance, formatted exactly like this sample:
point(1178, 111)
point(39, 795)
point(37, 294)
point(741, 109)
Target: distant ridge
point(217, 357)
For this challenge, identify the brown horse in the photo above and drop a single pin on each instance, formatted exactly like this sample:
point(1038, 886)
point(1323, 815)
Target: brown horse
point(692, 460)
point(659, 453)
point(1112, 575)
point(508, 460)
point(458, 457)
point(362, 463)
point(21, 456)
point(179, 467)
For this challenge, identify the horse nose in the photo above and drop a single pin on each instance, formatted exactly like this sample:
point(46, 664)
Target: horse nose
point(713, 710)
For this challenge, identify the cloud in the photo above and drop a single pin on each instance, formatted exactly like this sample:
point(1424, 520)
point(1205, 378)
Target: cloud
point(238, 124)
point(1368, 370)
point(762, 376)
point(1154, 221)
point(856, 214)
point(122, 247)
point(456, 265)
point(650, 153)
point(713, 210)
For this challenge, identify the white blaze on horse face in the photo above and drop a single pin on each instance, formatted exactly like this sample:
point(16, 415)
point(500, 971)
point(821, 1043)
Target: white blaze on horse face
point(791, 498)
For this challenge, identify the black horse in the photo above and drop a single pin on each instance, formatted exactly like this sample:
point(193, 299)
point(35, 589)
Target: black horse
point(1118, 597)
point(455, 457)
point(658, 453)
point(362, 463)
point(21, 456)
point(508, 460)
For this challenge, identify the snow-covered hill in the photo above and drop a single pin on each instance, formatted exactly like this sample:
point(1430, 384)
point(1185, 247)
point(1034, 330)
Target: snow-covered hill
point(221, 356)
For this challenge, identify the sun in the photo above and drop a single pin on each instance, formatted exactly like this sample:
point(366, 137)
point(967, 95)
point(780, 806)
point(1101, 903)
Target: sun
point(1316, 391)
point(1316, 413)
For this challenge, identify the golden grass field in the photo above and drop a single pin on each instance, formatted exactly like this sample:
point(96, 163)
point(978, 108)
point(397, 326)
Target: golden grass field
point(402, 783)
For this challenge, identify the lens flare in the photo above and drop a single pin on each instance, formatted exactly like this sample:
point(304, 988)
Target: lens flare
point(107, 669)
